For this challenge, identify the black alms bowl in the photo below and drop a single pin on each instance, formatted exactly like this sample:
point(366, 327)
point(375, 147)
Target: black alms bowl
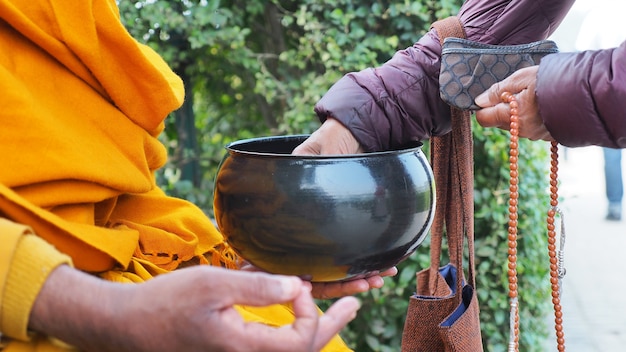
point(323, 218)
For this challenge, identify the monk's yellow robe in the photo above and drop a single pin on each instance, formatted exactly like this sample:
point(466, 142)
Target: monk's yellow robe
point(81, 106)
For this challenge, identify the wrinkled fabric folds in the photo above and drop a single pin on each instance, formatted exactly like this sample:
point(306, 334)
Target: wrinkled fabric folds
point(83, 104)
point(588, 105)
point(398, 102)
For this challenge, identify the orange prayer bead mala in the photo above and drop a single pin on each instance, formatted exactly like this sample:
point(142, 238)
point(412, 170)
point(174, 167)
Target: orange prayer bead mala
point(556, 259)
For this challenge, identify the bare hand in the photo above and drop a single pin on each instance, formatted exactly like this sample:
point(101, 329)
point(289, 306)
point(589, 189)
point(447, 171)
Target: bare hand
point(183, 311)
point(495, 113)
point(331, 138)
point(326, 290)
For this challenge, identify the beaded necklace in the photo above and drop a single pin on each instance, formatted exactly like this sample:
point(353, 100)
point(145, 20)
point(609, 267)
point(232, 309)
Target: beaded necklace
point(557, 270)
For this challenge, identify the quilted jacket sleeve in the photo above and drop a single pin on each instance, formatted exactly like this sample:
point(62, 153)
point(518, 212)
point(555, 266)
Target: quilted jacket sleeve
point(398, 102)
point(596, 81)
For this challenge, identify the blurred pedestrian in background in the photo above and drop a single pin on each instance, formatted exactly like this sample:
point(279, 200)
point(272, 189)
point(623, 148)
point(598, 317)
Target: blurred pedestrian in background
point(602, 28)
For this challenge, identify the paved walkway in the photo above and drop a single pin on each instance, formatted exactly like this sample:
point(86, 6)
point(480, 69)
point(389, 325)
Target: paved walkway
point(594, 288)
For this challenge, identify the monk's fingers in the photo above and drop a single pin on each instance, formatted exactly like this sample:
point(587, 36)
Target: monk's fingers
point(336, 318)
point(250, 288)
point(299, 336)
point(310, 331)
point(393, 271)
point(327, 290)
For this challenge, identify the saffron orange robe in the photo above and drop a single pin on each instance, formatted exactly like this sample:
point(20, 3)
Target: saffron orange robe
point(82, 105)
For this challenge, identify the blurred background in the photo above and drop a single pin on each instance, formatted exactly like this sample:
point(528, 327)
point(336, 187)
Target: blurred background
point(593, 305)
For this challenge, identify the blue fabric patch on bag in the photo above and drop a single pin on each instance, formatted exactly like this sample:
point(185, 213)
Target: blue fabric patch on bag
point(449, 273)
point(468, 292)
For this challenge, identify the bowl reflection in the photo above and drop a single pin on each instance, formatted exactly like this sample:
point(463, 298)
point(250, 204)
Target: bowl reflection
point(323, 218)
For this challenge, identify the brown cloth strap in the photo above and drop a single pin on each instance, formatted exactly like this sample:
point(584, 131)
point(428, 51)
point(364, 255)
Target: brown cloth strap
point(452, 160)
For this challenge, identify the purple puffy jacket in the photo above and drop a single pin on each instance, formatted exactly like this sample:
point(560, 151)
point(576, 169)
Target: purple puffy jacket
point(398, 102)
point(582, 97)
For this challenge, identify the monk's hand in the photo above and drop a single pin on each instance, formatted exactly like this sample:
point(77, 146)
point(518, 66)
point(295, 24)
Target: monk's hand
point(495, 113)
point(190, 309)
point(331, 138)
point(326, 290)
point(193, 309)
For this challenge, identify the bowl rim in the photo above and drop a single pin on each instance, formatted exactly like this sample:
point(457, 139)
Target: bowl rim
point(231, 148)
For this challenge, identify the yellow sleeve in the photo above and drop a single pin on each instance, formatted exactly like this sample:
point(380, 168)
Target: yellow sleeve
point(25, 263)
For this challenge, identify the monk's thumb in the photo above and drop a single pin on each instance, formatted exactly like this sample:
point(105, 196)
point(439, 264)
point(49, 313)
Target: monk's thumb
point(260, 289)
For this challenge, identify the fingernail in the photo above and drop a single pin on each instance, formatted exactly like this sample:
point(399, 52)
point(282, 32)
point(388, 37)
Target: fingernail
point(290, 286)
point(481, 99)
